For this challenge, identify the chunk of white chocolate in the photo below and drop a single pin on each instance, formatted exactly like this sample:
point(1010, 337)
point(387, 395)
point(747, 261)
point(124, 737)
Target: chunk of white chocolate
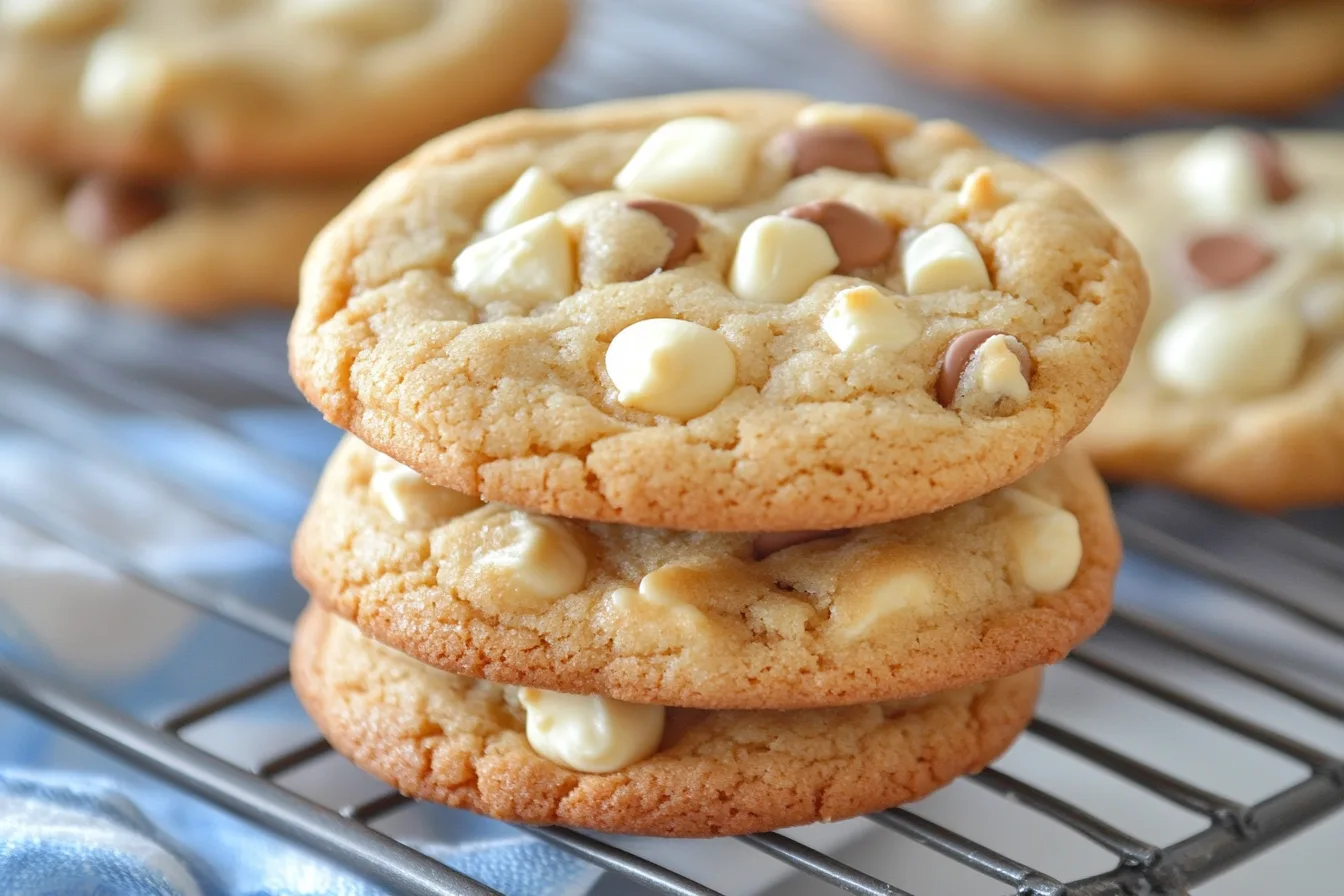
point(125, 77)
point(995, 371)
point(1233, 347)
point(532, 195)
point(57, 18)
point(698, 160)
point(590, 734)
point(779, 258)
point(396, 487)
point(941, 259)
point(1218, 176)
point(671, 367)
point(531, 263)
point(1046, 540)
point(361, 19)
point(536, 557)
point(861, 317)
point(660, 595)
point(855, 615)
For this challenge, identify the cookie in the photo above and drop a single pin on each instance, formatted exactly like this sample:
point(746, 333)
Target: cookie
point(275, 88)
point(1236, 386)
point(1118, 56)
point(718, 621)
point(676, 773)
point(184, 249)
point(721, 311)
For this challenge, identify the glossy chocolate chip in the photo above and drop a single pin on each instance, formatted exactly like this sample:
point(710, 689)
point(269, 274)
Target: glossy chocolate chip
point(1224, 260)
point(768, 543)
point(681, 223)
point(830, 147)
point(858, 238)
point(959, 353)
point(101, 210)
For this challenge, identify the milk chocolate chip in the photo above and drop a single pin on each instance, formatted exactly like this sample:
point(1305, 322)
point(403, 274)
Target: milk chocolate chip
point(958, 355)
point(829, 147)
point(681, 223)
point(768, 543)
point(1268, 155)
point(1223, 260)
point(859, 239)
point(102, 210)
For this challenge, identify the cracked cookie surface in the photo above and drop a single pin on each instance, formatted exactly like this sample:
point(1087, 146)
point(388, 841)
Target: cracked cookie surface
point(978, 591)
point(453, 740)
point(500, 313)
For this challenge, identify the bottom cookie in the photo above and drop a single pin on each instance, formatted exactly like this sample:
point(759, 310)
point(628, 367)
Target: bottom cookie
point(469, 744)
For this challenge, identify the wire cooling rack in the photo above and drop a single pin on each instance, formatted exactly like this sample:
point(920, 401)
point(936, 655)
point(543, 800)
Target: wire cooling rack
point(1229, 626)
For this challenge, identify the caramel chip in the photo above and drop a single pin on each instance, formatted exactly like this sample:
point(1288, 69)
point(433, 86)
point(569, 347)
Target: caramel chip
point(830, 147)
point(1223, 260)
point(958, 355)
point(681, 223)
point(102, 210)
point(768, 543)
point(1268, 155)
point(860, 240)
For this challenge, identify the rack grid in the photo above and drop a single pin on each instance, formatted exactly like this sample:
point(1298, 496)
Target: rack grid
point(74, 388)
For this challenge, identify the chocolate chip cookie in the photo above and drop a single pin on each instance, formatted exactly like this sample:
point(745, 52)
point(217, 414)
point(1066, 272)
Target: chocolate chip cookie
point(725, 311)
point(1236, 386)
point(545, 758)
point(775, 620)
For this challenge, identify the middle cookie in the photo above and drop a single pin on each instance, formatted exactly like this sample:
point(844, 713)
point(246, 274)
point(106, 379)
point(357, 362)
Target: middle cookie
point(979, 591)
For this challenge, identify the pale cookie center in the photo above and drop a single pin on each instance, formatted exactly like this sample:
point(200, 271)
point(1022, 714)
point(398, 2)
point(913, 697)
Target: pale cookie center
point(671, 367)
point(590, 734)
point(1046, 541)
point(533, 560)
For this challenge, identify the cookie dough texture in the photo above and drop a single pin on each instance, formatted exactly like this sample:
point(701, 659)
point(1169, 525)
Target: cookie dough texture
point(452, 740)
point(1280, 446)
point(211, 249)
point(694, 619)
point(515, 403)
point(275, 88)
point(1112, 55)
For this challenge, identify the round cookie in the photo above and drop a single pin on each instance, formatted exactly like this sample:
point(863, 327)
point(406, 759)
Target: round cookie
point(503, 313)
point(1237, 383)
point(452, 740)
point(1119, 56)
point(183, 249)
point(718, 621)
point(272, 88)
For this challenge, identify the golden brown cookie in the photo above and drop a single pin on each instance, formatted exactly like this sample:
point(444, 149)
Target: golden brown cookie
point(452, 740)
point(978, 591)
point(275, 88)
point(500, 313)
point(1113, 55)
point(182, 249)
point(1236, 388)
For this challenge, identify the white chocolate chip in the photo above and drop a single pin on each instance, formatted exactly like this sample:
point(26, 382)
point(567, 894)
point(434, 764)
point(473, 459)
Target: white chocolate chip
point(875, 122)
point(996, 371)
point(533, 194)
point(125, 77)
point(1238, 348)
point(698, 160)
point(396, 486)
point(941, 259)
point(1322, 303)
point(527, 265)
point(671, 367)
point(779, 258)
point(1046, 540)
point(978, 191)
point(364, 19)
point(536, 559)
point(661, 595)
point(861, 317)
point(590, 734)
point(854, 615)
point(57, 18)
point(1219, 177)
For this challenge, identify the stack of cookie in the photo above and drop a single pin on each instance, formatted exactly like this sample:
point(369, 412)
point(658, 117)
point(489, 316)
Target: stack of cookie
point(182, 155)
point(710, 472)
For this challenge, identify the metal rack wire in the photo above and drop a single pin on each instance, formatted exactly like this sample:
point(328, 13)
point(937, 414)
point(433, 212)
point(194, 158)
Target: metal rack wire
point(65, 392)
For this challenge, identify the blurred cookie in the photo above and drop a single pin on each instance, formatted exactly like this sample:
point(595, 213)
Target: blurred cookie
point(293, 88)
point(729, 311)
point(182, 249)
point(545, 758)
point(978, 591)
point(1236, 387)
point(1113, 55)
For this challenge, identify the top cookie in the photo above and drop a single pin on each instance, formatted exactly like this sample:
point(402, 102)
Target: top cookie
point(723, 311)
point(258, 88)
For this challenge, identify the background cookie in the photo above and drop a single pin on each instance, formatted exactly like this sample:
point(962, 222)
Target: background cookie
point(1112, 55)
point(701, 364)
point(452, 740)
point(182, 249)
point(302, 88)
point(1236, 386)
point(975, 592)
